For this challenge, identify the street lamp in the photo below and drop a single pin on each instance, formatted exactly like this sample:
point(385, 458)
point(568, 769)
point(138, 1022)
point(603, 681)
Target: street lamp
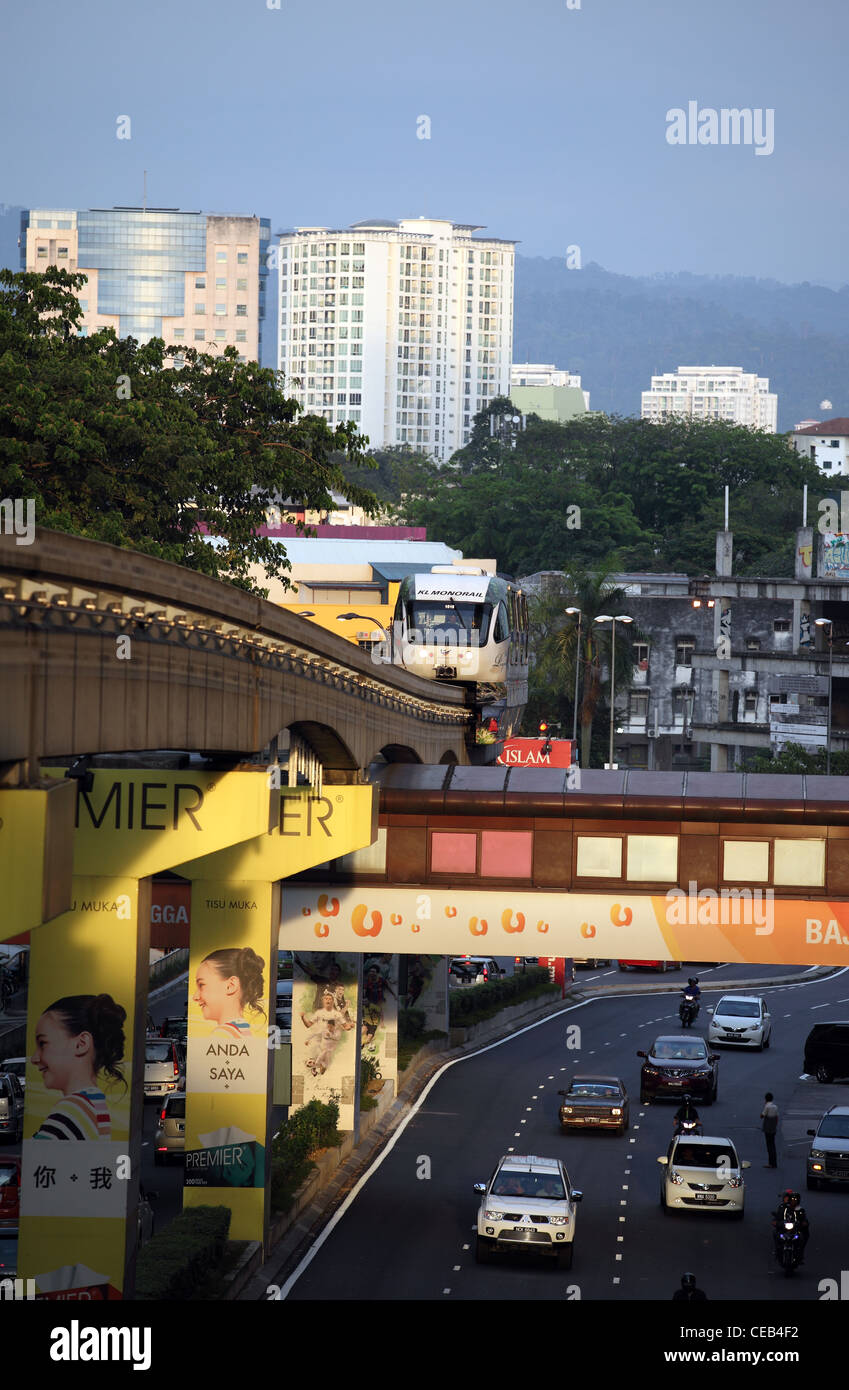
point(572, 612)
point(608, 618)
point(827, 622)
point(364, 618)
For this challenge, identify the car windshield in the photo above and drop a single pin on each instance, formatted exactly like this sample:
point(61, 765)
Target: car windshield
point(691, 1050)
point(834, 1127)
point(8, 1175)
point(177, 1108)
point(739, 1008)
point(592, 1090)
point(158, 1052)
point(705, 1156)
point(513, 1183)
point(18, 1069)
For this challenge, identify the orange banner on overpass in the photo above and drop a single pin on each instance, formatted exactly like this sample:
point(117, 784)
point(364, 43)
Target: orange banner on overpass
point(732, 925)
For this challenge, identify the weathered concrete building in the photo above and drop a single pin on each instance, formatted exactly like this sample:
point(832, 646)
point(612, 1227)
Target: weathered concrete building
point(727, 665)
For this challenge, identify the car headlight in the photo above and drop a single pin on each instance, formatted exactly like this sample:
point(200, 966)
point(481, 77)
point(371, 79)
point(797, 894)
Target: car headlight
point(702, 1074)
point(675, 1177)
point(650, 1071)
point(616, 1112)
point(817, 1153)
point(566, 1110)
point(494, 1215)
point(735, 1182)
point(558, 1221)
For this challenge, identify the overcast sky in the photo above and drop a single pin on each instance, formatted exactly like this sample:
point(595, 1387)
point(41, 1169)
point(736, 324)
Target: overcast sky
point(548, 124)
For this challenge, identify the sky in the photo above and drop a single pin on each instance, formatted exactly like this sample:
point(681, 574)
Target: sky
point(547, 120)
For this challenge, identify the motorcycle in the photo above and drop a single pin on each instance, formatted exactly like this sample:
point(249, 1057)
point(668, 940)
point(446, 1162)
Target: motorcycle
point(687, 1010)
point(685, 1128)
point(788, 1245)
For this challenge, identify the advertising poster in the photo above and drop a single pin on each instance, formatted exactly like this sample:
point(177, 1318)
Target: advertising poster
point(379, 1035)
point(730, 925)
point(325, 1046)
point(227, 1079)
point(835, 556)
point(427, 988)
point(77, 1174)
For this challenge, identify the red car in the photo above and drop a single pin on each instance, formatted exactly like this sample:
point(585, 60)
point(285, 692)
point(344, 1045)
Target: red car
point(10, 1191)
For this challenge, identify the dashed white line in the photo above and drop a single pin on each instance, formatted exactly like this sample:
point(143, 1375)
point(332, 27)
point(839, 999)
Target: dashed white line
point(446, 1290)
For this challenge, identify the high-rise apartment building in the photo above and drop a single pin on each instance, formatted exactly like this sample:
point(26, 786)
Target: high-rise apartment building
point(542, 389)
point(405, 328)
point(194, 279)
point(712, 393)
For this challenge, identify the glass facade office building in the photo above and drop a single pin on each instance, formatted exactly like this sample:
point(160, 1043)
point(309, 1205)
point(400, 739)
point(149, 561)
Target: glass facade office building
point(187, 277)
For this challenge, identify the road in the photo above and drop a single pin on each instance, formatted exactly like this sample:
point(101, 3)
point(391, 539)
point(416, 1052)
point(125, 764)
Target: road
point(408, 1233)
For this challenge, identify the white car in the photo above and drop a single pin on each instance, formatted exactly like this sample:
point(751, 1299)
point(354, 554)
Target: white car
point(702, 1173)
point(528, 1204)
point(741, 1019)
point(18, 1067)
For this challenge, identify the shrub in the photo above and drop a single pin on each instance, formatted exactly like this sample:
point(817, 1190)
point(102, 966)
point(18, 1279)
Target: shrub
point(310, 1128)
point(475, 1003)
point(174, 1263)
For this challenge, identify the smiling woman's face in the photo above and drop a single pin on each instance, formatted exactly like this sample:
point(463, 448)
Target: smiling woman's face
point(217, 996)
point(57, 1051)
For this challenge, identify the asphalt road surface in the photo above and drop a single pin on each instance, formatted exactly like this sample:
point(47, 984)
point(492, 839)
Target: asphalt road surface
point(408, 1233)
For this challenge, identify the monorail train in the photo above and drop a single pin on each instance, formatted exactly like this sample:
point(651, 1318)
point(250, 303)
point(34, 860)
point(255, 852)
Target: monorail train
point(462, 625)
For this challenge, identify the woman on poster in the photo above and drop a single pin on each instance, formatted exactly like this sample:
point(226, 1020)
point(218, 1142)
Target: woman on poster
point(228, 982)
point(78, 1038)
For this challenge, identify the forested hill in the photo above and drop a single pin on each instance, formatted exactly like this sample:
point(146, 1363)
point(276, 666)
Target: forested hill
point(617, 331)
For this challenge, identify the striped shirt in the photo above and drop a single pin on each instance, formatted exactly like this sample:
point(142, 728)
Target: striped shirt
point(82, 1115)
point(235, 1028)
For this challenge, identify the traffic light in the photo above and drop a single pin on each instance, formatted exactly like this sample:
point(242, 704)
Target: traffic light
point(545, 733)
point(543, 727)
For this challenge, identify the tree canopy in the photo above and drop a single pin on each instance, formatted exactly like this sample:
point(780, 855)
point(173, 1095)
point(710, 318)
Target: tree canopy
point(112, 447)
point(650, 496)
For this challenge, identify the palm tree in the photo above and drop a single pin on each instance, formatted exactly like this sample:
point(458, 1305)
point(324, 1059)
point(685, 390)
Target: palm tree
point(558, 653)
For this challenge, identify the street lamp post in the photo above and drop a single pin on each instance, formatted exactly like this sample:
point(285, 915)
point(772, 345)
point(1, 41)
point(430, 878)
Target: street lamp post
point(607, 618)
point(364, 618)
point(572, 612)
point(827, 622)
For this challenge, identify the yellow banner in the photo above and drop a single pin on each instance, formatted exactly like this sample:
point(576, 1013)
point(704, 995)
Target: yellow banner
point(80, 1163)
point(36, 829)
point(142, 822)
point(307, 830)
point(232, 985)
point(730, 925)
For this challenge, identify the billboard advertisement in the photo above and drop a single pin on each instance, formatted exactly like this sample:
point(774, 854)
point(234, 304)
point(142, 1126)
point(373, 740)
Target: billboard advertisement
point(227, 1080)
point(747, 924)
point(536, 752)
point(834, 556)
point(78, 1175)
point(379, 1034)
point(325, 1046)
point(426, 987)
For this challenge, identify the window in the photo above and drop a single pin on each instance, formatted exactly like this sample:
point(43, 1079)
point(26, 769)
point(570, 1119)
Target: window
point(200, 335)
point(241, 284)
point(753, 644)
point(62, 251)
point(684, 651)
point(641, 655)
point(179, 332)
point(781, 625)
point(221, 332)
point(221, 308)
point(42, 250)
point(221, 255)
point(746, 860)
point(506, 853)
point(652, 858)
point(639, 705)
point(241, 257)
point(599, 857)
point(241, 335)
point(241, 311)
point(200, 308)
point(750, 702)
point(452, 853)
point(799, 862)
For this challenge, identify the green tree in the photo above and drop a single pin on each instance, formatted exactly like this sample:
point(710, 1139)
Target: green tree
point(794, 758)
point(111, 446)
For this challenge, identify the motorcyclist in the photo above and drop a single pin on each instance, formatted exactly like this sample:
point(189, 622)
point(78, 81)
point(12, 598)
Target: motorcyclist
point(688, 1292)
point(692, 988)
point(790, 1209)
point(686, 1112)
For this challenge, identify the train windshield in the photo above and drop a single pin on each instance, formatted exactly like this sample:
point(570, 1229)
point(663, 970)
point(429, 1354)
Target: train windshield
point(462, 623)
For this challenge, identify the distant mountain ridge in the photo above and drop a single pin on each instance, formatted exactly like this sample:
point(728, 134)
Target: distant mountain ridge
point(619, 330)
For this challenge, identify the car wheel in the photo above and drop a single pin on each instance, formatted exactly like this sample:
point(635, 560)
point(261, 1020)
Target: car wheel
point(563, 1259)
point(823, 1074)
point(813, 1184)
point(768, 1039)
point(483, 1251)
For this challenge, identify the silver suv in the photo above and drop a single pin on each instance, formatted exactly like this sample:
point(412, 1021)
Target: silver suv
point(528, 1204)
point(828, 1160)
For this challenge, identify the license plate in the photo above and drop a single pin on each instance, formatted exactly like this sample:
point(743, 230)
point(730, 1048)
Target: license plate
point(520, 1228)
point(151, 1088)
point(705, 1196)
